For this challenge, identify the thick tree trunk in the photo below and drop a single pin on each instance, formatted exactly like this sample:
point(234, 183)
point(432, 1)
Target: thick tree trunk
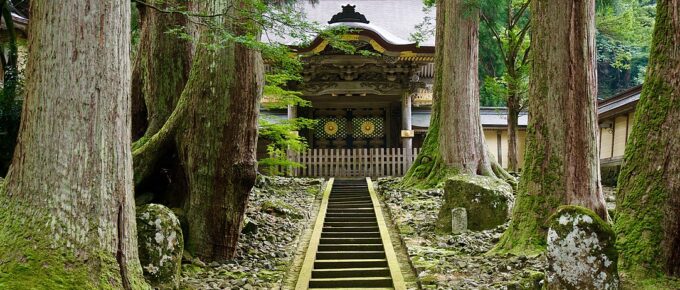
point(213, 125)
point(648, 201)
point(68, 208)
point(561, 160)
point(165, 60)
point(160, 74)
point(454, 143)
point(217, 144)
point(513, 117)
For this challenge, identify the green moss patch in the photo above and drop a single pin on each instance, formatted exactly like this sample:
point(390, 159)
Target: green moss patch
point(487, 200)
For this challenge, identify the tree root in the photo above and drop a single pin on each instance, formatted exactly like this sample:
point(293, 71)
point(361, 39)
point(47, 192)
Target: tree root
point(147, 150)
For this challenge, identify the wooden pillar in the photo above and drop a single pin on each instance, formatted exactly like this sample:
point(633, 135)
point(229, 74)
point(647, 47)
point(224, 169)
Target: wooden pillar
point(406, 132)
point(292, 112)
point(406, 127)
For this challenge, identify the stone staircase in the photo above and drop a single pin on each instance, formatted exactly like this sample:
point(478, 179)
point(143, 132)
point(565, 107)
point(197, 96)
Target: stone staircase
point(350, 252)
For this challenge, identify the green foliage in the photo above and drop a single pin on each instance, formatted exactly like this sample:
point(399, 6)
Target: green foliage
point(12, 87)
point(506, 25)
point(10, 117)
point(283, 138)
point(624, 30)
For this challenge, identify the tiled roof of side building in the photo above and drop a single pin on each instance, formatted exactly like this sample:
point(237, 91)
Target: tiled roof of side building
point(489, 116)
point(624, 101)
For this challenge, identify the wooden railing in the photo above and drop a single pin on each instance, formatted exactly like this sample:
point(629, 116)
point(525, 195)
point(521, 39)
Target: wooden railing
point(373, 162)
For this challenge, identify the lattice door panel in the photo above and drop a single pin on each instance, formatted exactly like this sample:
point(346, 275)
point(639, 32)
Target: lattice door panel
point(349, 128)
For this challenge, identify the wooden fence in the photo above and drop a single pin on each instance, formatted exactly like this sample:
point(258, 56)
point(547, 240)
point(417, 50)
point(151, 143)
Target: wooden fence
point(373, 162)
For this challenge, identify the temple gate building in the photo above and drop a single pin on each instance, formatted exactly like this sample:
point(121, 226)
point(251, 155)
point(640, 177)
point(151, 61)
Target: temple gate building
point(365, 105)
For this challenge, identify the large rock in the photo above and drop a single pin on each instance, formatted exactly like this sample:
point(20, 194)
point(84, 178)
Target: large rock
point(160, 245)
point(581, 252)
point(488, 202)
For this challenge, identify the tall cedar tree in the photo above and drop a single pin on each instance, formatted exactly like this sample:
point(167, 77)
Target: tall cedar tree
point(67, 207)
point(515, 55)
point(454, 143)
point(648, 200)
point(561, 163)
point(209, 131)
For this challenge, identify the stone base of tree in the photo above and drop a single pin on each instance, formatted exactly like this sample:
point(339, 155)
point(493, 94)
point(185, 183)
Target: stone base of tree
point(581, 251)
point(488, 202)
point(161, 245)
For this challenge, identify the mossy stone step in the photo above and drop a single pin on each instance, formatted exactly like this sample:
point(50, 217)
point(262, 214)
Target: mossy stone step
point(350, 219)
point(345, 196)
point(351, 282)
point(350, 203)
point(351, 247)
point(350, 234)
point(373, 223)
point(341, 255)
point(349, 263)
point(351, 241)
point(351, 272)
point(350, 210)
point(350, 214)
point(349, 229)
point(362, 288)
point(349, 198)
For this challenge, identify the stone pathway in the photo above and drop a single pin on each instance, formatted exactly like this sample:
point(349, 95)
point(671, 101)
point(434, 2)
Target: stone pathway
point(350, 246)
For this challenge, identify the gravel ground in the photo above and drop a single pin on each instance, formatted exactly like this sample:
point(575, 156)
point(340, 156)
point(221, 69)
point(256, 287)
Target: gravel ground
point(278, 211)
point(454, 261)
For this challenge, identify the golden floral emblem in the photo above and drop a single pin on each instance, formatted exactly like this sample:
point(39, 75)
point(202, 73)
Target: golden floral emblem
point(367, 128)
point(330, 128)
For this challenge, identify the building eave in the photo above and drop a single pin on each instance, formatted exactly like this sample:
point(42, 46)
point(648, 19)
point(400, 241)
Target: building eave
point(379, 41)
point(622, 103)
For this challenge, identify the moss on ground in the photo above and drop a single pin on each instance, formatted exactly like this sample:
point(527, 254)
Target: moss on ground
point(30, 257)
point(659, 283)
point(280, 208)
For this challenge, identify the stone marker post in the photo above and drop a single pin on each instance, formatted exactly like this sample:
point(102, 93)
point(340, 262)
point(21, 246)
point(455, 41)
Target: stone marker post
point(458, 220)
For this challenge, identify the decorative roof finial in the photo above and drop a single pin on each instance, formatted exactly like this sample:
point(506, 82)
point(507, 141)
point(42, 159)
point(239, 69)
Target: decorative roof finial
point(348, 15)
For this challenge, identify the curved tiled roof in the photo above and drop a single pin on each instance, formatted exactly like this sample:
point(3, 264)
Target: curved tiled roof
point(397, 17)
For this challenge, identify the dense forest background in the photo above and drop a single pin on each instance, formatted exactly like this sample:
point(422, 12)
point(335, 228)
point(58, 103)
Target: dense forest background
point(624, 32)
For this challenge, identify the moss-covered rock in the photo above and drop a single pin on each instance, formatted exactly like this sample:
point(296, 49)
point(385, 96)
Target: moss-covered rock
point(161, 245)
point(581, 251)
point(488, 202)
point(280, 208)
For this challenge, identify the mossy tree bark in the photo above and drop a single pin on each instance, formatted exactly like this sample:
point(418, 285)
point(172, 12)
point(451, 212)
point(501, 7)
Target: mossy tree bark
point(67, 208)
point(561, 164)
point(163, 62)
point(159, 76)
point(454, 143)
point(648, 200)
point(213, 130)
